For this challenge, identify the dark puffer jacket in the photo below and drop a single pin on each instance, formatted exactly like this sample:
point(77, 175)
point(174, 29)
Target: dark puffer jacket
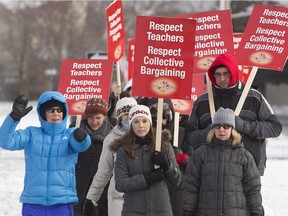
point(221, 179)
point(260, 121)
point(87, 165)
point(140, 199)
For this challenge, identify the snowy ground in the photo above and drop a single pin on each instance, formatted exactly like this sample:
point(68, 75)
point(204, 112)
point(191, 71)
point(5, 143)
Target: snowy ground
point(274, 183)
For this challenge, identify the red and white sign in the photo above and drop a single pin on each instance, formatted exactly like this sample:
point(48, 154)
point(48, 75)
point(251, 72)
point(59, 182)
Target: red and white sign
point(115, 30)
point(164, 56)
point(213, 37)
point(131, 48)
point(198, 88)
point(264, 41)
point(244, 71)
point(82, 79)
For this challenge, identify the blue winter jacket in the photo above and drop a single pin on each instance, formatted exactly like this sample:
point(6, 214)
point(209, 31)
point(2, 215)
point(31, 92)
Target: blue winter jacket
point(50, 156)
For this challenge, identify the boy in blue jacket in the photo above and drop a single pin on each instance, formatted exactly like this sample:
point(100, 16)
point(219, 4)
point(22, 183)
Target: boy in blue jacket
point(50, 154)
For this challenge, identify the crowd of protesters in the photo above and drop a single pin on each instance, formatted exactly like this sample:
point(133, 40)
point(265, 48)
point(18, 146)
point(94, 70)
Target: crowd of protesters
point(109, 165)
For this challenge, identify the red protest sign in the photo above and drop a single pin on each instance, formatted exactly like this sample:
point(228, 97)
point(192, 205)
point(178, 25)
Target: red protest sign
point(163, 61)
point(115, 31)
point(264, 41)
point(131, 48)
point(244, 71)
point(213, 37)
point(81, 79)
point(198, 88)
point(182, 106)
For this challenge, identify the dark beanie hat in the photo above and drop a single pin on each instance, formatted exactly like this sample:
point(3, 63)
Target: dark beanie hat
point(49, 104)
point(95, 106)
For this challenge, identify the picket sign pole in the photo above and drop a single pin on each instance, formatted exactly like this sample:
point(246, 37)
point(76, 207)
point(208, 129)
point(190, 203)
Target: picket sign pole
point(245, 90)
point(176, 129)
point(210, 96)
point(159, 126)
point(78, 120)
point(118, 77)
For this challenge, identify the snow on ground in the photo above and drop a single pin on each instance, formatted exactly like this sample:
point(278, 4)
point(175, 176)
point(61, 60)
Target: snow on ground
point(274, 182)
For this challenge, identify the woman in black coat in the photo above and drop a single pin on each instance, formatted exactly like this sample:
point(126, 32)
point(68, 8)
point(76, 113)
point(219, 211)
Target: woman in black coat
point(221, 177)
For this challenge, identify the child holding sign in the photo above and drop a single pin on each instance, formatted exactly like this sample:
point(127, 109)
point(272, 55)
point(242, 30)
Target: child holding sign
point(144, 186)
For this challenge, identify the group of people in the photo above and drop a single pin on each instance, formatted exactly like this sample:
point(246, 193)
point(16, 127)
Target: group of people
point(106, 168)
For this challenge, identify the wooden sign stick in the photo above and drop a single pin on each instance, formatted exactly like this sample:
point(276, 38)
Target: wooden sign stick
point(245, 90)
point(210, 96)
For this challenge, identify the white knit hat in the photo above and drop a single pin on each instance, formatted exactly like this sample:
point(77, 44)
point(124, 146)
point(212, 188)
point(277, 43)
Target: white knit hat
point(139, 110)
point(124, 105)
point(224, 116)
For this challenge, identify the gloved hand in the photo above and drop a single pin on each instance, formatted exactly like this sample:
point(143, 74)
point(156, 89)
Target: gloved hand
point(79, 134)
point(239, 124)
point(206, 130)
point(19, 108)
point(159, 159)
point(182, 159)
point(188, 213)
point(155, 175)
point(89, 209)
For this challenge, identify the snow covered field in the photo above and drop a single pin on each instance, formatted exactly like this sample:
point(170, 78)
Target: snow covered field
point(274, 183)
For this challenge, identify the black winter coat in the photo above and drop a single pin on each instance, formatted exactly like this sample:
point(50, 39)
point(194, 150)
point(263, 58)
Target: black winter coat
point(260, 121)
point(87, 166)
point(222, 179)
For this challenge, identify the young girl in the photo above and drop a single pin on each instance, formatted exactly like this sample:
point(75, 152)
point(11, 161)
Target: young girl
point(144, 186)
point(221, 177)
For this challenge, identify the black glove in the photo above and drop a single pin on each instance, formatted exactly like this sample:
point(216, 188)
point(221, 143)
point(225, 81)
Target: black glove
point(155, 175)
point(159, 159)
point(19, 108)
point(79, 134)
point(188, 213)
point(89, 209)
point(242, 126)
point(206, 130)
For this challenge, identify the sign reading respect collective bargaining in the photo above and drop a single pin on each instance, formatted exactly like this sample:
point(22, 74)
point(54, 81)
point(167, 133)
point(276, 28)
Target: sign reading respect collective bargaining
point(264, 41)
point(214, 36)
point(115, 30)
point(185, 106)
point(82, 79)
point(163, 60)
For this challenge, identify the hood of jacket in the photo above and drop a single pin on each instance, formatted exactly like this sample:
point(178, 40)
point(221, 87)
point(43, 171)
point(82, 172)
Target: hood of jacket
point(227, 60)
point(46, 96)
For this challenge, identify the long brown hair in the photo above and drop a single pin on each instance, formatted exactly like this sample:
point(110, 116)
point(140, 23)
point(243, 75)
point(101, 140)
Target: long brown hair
point(129, 139)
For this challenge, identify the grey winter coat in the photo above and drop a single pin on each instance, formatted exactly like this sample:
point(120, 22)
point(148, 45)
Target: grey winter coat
point(221, 179)
point(139, 198)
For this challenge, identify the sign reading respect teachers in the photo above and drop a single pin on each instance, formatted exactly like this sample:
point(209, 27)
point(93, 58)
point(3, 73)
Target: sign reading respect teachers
point(164, 54)
point(82, 79)
point(264, 41)
point(213, 37)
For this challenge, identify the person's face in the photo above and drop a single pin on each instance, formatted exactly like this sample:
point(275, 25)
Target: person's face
point(223, 132)
point(95, 121)
point(222, 77)
point(141, 126)
point(125, 117)
point(54, 115)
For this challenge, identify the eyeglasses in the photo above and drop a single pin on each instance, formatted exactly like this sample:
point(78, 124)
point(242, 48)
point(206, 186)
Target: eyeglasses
point(225, 75)
point(218, 126)
point(52, 110)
